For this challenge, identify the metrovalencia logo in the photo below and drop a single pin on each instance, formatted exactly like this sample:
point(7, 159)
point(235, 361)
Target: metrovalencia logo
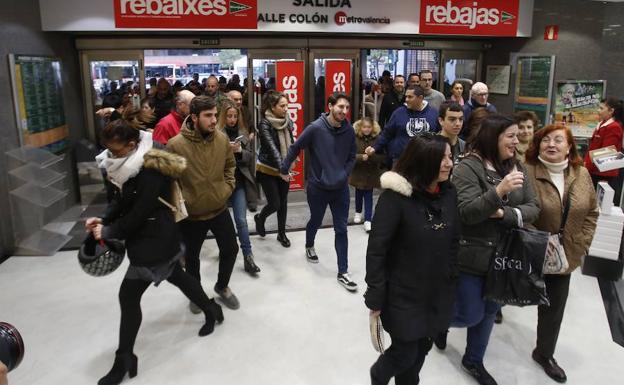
point(186, 14)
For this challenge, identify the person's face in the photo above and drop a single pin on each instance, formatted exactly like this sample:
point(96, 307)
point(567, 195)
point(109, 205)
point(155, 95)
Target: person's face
point(412, 101)
point(196, 77)
point(125, 99)
point(399, 84)
point(481, 96)
point(385, 87)
point(452, 122)
point(162, 89)
point(212, 86)
point(605, 112)
point(554, 147)
point(426, 81)
point(146, 108)
point(446, 165)
point(507, 142)
point(281, 108)
point(206, 121)
point(120, 149)
point(184, 109)
point(366, 127)
point(458, 90)
point(339, 110)
point(236, 97)
point(525, 131)
point(222, 86)
point(413, 81)
point(231, 117)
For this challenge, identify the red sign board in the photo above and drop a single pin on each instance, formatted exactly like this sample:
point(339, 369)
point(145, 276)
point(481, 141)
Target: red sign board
point(337, 79)
point(551, 32)
point(186, 14)
point(290, 81)
point(469, 17)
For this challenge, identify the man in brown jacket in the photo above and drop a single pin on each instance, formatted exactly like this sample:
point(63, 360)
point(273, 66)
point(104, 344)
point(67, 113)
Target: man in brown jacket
point(207, 184)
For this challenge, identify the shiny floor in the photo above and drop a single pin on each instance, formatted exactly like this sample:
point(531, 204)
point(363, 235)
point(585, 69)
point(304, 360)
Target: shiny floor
point(296, 325)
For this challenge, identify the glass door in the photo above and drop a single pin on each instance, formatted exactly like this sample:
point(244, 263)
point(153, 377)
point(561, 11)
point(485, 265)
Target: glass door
point(109, 76)
point(317, 64)
point(463, 66)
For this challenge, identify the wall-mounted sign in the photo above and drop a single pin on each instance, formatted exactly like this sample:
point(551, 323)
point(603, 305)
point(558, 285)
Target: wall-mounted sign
point(337, 79)
point(533, 89)
point(576, 105)
point(497, 78)
point(290, 81)
point(185, 14)
point(469, 17)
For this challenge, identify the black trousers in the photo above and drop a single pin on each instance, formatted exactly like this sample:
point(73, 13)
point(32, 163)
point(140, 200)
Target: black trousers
point(194, 234)
point(130, 294)
point(276, 193)
point(549, 317)
point(403, 361)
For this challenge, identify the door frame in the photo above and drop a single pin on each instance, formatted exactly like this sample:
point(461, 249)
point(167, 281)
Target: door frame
point(86, 57)
point(460, 55)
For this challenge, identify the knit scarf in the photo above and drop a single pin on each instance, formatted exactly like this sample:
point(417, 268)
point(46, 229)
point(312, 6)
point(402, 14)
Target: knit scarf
point(119, 170)
point(282, 126)
point(555, 168)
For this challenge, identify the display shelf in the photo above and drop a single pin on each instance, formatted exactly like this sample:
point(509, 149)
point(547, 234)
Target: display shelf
point(39, 176)
point(28, 154)
point(38, 195)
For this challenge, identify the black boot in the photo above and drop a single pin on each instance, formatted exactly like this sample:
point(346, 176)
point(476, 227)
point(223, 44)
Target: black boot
point(124, 363)
point(250, 265)
point(213, 313)
point(281, 238)
point(260, 225)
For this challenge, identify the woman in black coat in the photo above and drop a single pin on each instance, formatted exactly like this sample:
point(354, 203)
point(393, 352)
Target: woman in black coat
point(411, 257)
point(140, 176)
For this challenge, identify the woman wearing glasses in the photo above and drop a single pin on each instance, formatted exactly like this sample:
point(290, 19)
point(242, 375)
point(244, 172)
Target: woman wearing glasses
point(411, 258)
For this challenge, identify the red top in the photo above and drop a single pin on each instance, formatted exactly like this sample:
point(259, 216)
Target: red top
point(608, 133)
point(168, 127)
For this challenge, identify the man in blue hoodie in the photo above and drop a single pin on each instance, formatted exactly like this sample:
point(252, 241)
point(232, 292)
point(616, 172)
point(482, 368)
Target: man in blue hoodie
point(330, 141)
point(407, 121)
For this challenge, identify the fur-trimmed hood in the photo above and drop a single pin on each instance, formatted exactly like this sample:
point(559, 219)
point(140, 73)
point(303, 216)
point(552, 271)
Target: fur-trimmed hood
point(167, 163)
point(396, 182)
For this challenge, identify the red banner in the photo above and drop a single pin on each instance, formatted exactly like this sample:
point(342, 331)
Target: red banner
point(289, 78)
point(185, 14)
point(337, 79)
point(469, 17)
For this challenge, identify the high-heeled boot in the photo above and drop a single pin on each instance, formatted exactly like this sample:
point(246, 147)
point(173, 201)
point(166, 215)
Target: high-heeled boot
point(124, 363)
point(213, 313)
point(250, 264)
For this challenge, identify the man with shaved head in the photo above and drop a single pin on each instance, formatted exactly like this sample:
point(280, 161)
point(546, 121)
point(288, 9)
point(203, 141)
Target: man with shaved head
point(170, 125)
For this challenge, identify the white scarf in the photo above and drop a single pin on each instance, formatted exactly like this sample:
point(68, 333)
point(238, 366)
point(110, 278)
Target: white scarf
point(119, 170)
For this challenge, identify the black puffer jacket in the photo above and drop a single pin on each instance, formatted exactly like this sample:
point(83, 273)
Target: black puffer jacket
point(269, 154)
point(137, 216)
point(411, 258)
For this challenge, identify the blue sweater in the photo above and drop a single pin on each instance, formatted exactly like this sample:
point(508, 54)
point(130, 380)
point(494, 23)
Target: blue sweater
point(402, 126)
point(331, 153)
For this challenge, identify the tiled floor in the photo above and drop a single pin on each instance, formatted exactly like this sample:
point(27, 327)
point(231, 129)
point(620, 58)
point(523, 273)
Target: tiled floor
point(296, 325)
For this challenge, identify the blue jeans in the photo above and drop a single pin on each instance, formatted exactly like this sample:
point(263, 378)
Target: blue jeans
point(238, 201)
point(338, 201)
point(475, 313)
point(367, 197)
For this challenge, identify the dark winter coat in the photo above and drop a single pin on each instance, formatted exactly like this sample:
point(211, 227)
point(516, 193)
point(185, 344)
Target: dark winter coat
point(137, 216)
point(390, 102)
point(269, 153)
point(477, 201)
point(411, 258)
point(245, 161)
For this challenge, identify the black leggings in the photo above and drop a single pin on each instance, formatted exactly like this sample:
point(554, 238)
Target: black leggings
point(130, 294)
point(276, 192)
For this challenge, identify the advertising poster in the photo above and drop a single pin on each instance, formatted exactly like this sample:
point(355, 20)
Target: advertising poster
point(290, 81)
point(576, 105)
point(533, 89)
point(337, 79)
point(38, 101)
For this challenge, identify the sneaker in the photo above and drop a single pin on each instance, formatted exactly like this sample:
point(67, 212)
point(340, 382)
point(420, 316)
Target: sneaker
point(367, 226)
point(346, 281)
point(311, 255)
point(357, 218)
point(228, 298)
point(478, 372)
point(194, 308)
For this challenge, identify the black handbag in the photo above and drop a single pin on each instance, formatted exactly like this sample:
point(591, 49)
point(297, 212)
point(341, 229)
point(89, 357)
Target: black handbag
point(515, 275)
point(100, 258)
point(11, 346)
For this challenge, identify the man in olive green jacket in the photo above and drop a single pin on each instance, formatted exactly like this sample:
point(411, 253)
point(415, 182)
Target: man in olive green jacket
point(207, 184)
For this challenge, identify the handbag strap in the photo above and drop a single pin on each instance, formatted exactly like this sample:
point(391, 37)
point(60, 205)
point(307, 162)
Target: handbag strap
point(564, 216)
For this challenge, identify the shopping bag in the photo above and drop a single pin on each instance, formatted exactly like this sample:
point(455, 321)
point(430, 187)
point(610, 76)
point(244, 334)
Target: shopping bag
point(515, 275)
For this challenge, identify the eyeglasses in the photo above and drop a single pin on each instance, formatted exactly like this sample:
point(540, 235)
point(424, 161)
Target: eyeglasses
point(556, 139)
point(482, 94)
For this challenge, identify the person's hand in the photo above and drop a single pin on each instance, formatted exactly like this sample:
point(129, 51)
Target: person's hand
point(369, 150)
point(236, 147)
point(510, 182)
point(375, 313)
point(97, 232)
point(104, 112)
point(364, 157)
point(252, 136)
point(498, 214)
point(92, 222)
point(3, 374)
point(285, 178)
